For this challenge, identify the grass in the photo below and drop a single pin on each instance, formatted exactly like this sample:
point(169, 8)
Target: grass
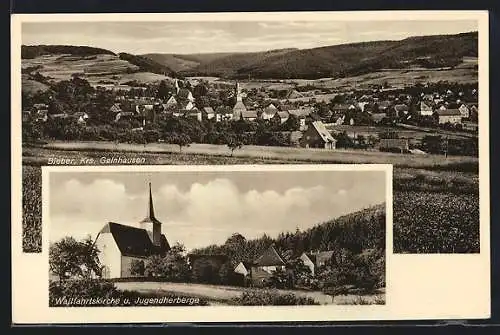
point(284, 154)
point(436, 208)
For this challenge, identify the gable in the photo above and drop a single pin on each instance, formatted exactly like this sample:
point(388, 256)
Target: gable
point(269, 258)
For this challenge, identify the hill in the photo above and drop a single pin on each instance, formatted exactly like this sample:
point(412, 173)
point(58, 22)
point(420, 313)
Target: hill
point(338, 61)
point(147, 65)
point(358, 231)
point(180, 62)
point(33, 51)
point(100, 67)
point(227, 65)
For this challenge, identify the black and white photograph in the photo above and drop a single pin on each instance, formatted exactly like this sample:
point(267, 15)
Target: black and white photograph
point(191, 238)
point(250, 167)
point(401, 92)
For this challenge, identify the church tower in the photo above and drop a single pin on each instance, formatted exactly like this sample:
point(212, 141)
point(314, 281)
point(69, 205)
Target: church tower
point(150, 223)
point(237, 92)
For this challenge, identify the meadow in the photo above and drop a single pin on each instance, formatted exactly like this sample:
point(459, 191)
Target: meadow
point(436, 201)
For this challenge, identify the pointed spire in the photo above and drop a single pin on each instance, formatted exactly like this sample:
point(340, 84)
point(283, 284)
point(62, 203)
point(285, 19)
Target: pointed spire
point(151, 208)
point(151, 212)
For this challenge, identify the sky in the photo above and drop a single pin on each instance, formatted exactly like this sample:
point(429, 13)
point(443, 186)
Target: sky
point(203, 208)
point(228, 36)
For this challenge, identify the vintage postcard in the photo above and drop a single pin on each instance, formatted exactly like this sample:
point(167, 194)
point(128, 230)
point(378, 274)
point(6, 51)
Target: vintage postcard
point(131, 100)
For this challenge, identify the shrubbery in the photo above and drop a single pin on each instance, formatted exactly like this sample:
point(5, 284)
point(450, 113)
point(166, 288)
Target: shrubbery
point(271, 297)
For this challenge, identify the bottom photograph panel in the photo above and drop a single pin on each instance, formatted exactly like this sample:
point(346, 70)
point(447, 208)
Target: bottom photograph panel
point(216, 236)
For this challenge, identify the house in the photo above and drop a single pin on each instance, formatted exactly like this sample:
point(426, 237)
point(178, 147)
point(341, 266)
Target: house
point(471, 126)
point(124, 115)
point(429, 98)
point(208, 113)
point(81, 117)
point(170, 103)
point(269, 112)
point(116, 108)
point(264, 267)
point(186, 105)
point(41, 116)
point(317, 136)
point(425, 109)
point(184, 94)
point(301, 114)
point(394, 144)
point(401, 109)
point(342, 108)
point(294, 94)
point(41, 107)
point(120, 245)
point(249, 115)
point(283, 116)
point(383, 105)
point(315, 260)
point(378, 117)
point(26, 116)
point(223, 113)
point(338, 120)
point(243, 268)
point(452, 116)
point(464, 110)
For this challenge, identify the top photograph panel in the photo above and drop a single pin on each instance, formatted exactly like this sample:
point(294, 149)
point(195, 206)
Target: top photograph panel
point(270, 89)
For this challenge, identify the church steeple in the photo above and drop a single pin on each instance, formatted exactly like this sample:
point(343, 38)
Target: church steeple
point(150, 223)
point(151, 207)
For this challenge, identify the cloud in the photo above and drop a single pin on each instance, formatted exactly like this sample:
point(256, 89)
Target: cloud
point(202, 214)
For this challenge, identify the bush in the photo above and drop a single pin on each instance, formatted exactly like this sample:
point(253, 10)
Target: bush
point(271, 298)
point(82, 288)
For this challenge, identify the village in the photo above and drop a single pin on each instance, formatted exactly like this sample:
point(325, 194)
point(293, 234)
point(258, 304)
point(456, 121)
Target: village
point(430, 118)
point(140, 257)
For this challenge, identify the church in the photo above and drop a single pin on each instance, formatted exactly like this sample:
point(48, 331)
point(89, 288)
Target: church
point(120, 245)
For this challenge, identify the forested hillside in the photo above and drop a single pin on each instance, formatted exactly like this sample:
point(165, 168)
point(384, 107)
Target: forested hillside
point(355, 232)
point(346, 59)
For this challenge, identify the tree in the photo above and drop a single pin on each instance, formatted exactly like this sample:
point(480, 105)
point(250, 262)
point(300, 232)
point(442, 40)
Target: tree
point(233, 142)
point(173, 266)
point(292, 123)
point(137, 267)
point(71, 258)
point(164, 90)
point(182, 140)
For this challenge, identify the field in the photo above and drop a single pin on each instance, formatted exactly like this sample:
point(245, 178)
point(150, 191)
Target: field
point(435, 199)
point(96, 68)
point(280, 154)
point(224, 294)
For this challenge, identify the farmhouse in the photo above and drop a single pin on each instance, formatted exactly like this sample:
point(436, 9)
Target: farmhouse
point(317, 136)
point(425, 109)
point(452, 116)
point(208, 113)
point(464, 110)
point(269, 112)
point(120, 244)
point(315, 260)
point(243, 268)
point(401, 109)
point(264, 267)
